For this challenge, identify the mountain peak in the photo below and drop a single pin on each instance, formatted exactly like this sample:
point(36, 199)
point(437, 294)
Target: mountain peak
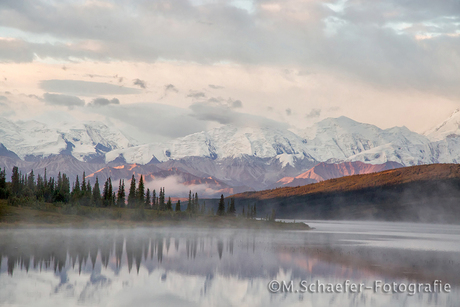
point(450, 126)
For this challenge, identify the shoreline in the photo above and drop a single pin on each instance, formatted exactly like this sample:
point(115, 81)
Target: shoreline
point(27, 218)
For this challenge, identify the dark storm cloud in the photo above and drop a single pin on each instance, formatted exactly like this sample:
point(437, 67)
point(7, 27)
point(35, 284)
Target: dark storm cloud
point(104, 102)
point(313, 113)
point(63, 100)
point(364, 39)
point(140, 83)
point(85, 88)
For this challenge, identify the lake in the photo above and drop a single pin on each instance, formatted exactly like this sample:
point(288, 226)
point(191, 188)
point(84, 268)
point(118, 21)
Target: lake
point(208, 267)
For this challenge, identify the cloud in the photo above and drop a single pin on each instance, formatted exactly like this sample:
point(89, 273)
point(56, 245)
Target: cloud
point(288, 112)
point(140, 83)
point(237, 104)
point(223, 114)
point(228, 103)
point(387, 43)
point(63, 100)
point(149, 122)
point(104, 102)
point(171, 88)
point(196, 95)
point(314, 113)
point(34, 97)
point(216, 87)
point(85, 88)
point(3, 98)
point(175, 187)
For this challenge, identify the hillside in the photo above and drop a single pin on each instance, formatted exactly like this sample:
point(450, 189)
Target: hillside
point(428, 193)
point(324, 171)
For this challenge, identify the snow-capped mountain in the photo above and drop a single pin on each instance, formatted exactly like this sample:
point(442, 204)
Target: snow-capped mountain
point(244, 157)
point(449, 127)
point(85, 141)
point(220, 143)
point(343, 139)
point(333, 139)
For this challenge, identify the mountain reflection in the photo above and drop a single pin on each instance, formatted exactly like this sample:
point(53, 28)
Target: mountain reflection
point(82, 262)
point(245, 255)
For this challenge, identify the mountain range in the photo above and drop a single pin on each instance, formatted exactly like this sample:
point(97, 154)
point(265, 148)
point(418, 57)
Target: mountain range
point(227, 159)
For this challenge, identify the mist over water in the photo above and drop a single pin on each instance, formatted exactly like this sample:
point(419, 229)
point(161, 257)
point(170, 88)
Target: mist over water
point(208, 267)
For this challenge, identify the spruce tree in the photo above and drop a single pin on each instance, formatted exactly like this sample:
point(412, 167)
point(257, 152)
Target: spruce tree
point(88, 194)
point(169, 205)
point(31, 181)
point(96, 199)
point(132, 193)
point(189, 204)
point(121, 194)
point(110, 193)
point(15, 181)
point(147, 199)
point(232, 209)
point(196, 204)
point(105, 194)
point(83, 184)
point(140, 191)
point(154, 199)
point(221, 208)
point(76, 192)
point(162, 199)
point(178, 206)
point(3, 189)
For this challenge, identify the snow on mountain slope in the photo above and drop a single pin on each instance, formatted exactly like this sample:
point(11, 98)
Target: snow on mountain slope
point(344, 139)
point(449, 127)
point(332, 139)
point(220, 143)
point(82, 140)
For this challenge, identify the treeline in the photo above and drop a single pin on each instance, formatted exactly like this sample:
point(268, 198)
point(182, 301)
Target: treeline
point(50, 190)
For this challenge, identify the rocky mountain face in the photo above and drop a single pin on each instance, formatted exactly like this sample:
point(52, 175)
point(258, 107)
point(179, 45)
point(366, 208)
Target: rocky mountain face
point(228, 157)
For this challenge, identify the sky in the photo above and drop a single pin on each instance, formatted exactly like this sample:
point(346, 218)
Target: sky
point(162, 69)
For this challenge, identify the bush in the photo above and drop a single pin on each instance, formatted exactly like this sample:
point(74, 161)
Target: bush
point(3, 211)
point(69, 209)
point(139, 214)
point(116, 214)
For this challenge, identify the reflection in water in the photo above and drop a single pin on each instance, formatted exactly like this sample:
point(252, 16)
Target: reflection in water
point(219, 268)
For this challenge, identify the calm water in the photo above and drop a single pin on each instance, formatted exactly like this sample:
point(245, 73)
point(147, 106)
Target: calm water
point(189, 267)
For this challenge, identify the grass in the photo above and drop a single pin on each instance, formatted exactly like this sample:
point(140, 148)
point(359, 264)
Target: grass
point(48, 215)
